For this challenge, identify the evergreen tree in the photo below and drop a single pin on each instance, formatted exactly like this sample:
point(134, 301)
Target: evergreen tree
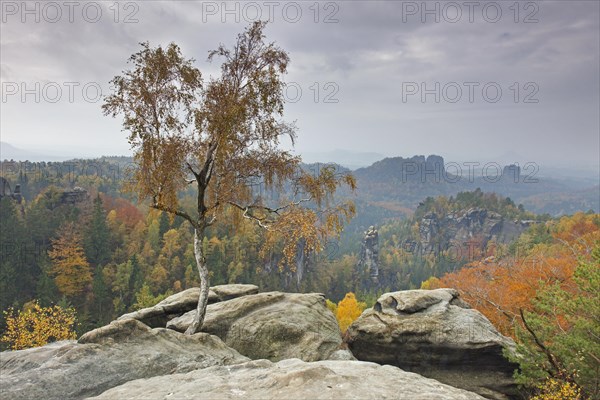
point(15, 275)
point(136, 279)
point(97, 236)
point(102, 305)
point(47, 292)
point(163, 224)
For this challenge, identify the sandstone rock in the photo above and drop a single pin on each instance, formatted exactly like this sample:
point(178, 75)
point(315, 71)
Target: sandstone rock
point(435, 334)
point(233, 290)
point(107, 357)
point(182, 302)
point(369, 254)
point(272, 325)
point(291, 379)
point(342, 355)
point(457, 230)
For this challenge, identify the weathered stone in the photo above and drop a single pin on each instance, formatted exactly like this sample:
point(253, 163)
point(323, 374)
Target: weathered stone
point(369, 253)
point(107, 357)
point(291, 379)
point(272, 325)
point(342, 355)
point(457, 231)
point(435, 334)
point(232, 291)
point(182, 302)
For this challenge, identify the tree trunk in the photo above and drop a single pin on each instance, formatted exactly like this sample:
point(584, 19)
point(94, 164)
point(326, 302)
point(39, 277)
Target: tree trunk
point(204, 286)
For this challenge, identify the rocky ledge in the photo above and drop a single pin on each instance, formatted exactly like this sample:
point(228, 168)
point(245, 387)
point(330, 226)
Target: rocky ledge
point(291, 379)
point(411, 345)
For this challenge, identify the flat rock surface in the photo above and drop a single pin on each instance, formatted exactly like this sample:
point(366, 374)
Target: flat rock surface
point(291, 379)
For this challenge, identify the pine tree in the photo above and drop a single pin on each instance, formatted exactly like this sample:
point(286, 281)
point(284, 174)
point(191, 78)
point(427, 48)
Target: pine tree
point(47, 292)
point(136, 278)
point(102, 305)
point(163, 224)
point(15, 277)
point(97, 236)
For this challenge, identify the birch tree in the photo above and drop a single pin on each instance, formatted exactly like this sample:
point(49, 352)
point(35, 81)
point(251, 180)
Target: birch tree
point(219, 134)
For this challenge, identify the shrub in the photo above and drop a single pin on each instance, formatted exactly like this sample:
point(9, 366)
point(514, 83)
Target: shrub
point(36, 326)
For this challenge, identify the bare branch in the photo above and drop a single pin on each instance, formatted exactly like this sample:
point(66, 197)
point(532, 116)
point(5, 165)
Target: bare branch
point(551, 358)
point(182, 214)
point(192, 170)
point(247, 214)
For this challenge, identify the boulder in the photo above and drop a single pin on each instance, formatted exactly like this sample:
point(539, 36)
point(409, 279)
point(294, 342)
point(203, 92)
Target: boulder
point(182, 302)
point(107, 357)
point(436, 334)
point(291, 379)
point(273, 325)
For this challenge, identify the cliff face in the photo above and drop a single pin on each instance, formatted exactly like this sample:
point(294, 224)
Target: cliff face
point(466, 230)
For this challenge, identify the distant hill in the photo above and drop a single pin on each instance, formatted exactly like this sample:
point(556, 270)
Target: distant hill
point(10, 152)
point(389, 188)
point(349, 159)
point(396, 183)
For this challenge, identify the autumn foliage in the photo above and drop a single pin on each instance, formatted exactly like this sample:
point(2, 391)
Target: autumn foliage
point(36, 326)
point(219, 137)
point(500, 288)
point(347, 310)
point(125, 212)
point(70, 268)
point(554, 389)
point(546, 296)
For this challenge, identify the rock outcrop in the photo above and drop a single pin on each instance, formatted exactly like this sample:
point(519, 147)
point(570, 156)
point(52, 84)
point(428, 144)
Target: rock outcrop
point(6, 191)
point(291, 379)
point(435, 334)
point(369, 253)
point(182, 302)
point(465, 231)
point(107, 357)
point(420, 338)
point(273, 325)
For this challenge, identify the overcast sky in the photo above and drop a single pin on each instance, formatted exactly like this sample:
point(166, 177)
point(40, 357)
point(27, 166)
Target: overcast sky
point(357, 77)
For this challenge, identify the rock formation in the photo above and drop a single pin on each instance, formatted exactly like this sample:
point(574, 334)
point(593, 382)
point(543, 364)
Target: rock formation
point(272, 325)
point(466, 231)
point(76, 195)
point(178, 304)
point(107, 357)
point(6, 191)
point(296, 344)
point(369, 253)
point(291, 379)
point(434, 333)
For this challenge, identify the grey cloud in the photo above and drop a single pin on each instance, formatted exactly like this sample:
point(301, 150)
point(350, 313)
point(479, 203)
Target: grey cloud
point(369, 54)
